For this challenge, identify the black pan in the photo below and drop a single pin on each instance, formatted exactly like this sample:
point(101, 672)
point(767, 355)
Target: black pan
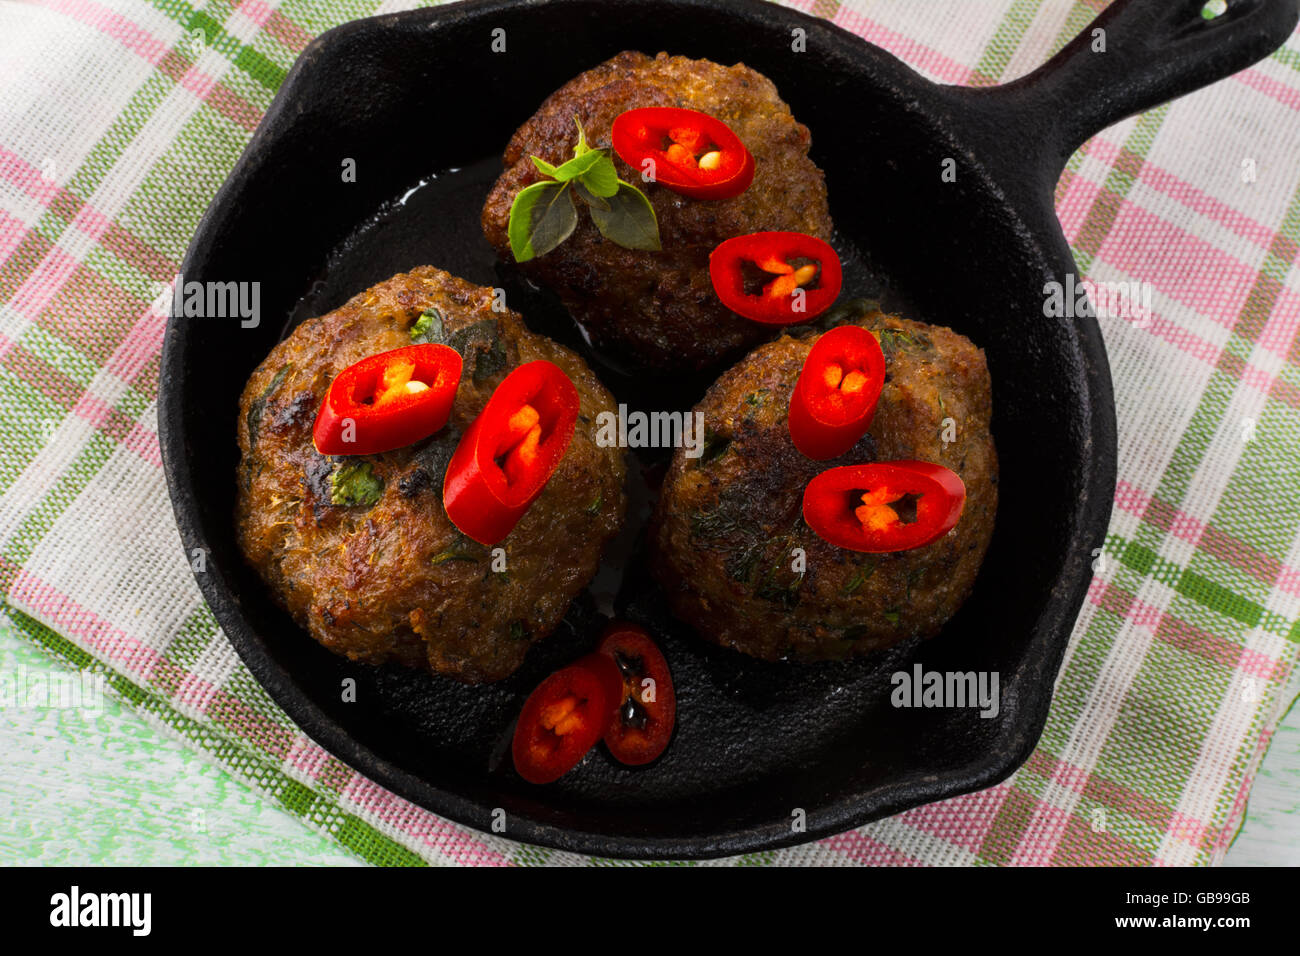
point(414, 94)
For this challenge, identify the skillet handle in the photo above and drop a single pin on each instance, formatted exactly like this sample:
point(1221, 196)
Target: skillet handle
point(1154, 51)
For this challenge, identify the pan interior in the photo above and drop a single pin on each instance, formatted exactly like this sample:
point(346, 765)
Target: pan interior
point(424, 109)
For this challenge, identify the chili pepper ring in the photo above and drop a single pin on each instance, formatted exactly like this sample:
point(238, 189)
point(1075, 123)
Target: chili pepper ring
point(691, 153)
point(862, 507)
point(509, 452)
point(777, 278)
point(388, 400)
point(834, 401)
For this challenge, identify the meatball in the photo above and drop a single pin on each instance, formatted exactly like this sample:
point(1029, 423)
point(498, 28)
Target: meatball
point(359, 549)
point(657, 311)
point(728, 522)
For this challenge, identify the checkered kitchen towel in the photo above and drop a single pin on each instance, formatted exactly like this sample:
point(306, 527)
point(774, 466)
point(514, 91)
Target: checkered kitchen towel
point(120, 118)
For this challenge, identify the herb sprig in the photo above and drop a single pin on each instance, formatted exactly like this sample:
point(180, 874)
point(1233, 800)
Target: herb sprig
point(544, 214)
point(355, 484)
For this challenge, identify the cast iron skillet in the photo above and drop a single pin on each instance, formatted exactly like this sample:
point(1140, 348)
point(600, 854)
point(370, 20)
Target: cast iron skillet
point(413, 94)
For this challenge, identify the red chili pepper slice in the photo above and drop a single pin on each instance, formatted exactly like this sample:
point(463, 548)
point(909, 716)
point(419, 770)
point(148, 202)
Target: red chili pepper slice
point(758, 276)
point(388, 400)
point(564, 717)
point(508, 454)
point(694, 153)
point(643, 721)
point(884, 506)
point(835, 398)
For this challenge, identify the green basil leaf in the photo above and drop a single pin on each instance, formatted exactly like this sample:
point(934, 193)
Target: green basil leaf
point(428, 328)
point(579, 165)
point(541, 217)
point(545, 168)
point(582, 146)
point(590, 198)
point(355, 483)
point(601, 178)
point(630, 220)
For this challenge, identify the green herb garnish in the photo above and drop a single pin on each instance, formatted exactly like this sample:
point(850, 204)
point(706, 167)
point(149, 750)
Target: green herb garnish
point(428, 328)
point(575, 168)
point(518, 629)
point(600, 178)
point(626, 218)
point(594, 507)
point(897, 340)
point(715, 446)
point(355, 483)
point(478, 343)
point(891, 616)
point(543, 215)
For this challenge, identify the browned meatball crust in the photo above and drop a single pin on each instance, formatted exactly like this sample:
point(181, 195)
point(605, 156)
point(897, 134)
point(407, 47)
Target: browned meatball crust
point(728, 523)
point(396, 581)
point(657, 310)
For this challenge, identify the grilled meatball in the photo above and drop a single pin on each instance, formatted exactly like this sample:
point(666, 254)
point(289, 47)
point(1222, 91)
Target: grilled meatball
point(394, 580)
point(657, 311)
point(728, 522)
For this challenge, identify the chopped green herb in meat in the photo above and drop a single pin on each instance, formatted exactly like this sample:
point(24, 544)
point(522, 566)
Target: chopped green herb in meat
point(355, 484)
point(463, 548)
point(429, 328)
point(480, 345)
point(863, 574)
point(715, 446)
point(449, 555)
point(258, 406)
point(893, 341)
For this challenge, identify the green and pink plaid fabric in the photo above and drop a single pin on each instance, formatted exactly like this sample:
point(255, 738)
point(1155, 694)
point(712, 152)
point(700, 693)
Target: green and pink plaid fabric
point(120, 118)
